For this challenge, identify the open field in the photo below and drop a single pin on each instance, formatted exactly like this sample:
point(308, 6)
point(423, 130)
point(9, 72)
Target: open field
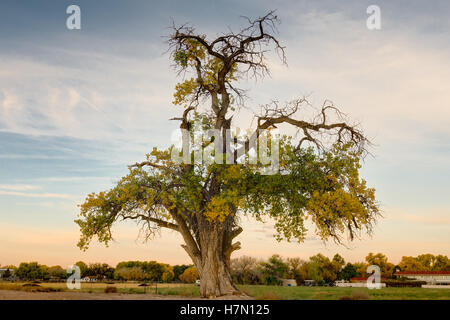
point(99, 287)
point(335, 293)
point(95, 291)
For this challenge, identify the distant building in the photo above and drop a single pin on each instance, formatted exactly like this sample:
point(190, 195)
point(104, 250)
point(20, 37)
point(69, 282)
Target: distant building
point(89, 279)
point(430, 277)
point(357, 282)
point(310, 283)
point(289, 282)
point(4, 272)
point(359, 279)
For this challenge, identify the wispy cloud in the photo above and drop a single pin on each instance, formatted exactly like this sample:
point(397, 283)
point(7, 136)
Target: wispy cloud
point(21, 190)
point(75, 179)
point(35, 195)
point(46, 99)
point(19, 187)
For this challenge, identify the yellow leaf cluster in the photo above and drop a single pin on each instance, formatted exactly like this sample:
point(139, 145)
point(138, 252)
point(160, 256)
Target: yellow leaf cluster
point(183, 90)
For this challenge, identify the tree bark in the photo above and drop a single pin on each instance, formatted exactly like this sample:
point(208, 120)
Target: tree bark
point(214, 268)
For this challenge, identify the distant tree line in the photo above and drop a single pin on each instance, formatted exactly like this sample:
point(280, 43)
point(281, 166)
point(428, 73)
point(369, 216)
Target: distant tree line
point(323, 270)
point(245, 269)
point(124, 271)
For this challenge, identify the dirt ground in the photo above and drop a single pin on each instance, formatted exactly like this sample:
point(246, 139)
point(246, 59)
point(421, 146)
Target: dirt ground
point(22, 295)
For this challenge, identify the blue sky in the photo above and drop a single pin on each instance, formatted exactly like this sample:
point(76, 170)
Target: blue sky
point(78, 106)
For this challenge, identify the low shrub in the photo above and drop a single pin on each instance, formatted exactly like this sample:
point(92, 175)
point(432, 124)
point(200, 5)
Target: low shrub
point(144, 285)
point(110, 290)
point(404, 283)
point(28, 287)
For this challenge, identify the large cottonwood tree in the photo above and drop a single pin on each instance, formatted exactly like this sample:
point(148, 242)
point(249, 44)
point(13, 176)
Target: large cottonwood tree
point(317, 180)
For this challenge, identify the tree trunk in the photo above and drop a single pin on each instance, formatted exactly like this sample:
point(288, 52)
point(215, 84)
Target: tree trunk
point(214, 270)
point(210, 249)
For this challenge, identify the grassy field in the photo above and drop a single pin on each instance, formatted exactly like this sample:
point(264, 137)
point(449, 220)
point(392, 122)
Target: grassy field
point(256, 291)
point(97, 287)
point(335, 293)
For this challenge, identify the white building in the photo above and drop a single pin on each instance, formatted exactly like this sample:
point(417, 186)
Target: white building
point(358, 284)
point(2, 274)
point(289, 282)
point(430, 277)
point(88, 279)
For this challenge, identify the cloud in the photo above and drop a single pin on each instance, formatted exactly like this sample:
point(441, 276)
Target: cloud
point(31, 156)
point(388, 80)
point(74, 98)
point(75, 179)
point(19, 190)
point(19, 187)
point(35, 195)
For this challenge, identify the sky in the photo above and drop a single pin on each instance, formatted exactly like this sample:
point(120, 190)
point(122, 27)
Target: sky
point(78, 106)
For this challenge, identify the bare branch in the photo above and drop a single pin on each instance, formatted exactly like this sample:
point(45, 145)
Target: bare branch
point(343, 131)
point(160, 223)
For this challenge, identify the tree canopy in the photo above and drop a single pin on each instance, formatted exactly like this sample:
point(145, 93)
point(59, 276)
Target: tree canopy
point(316, 180)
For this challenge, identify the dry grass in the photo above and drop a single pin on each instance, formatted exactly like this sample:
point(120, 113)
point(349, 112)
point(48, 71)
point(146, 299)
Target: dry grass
point(357, 295)
point(256, 291)
point(125, 287)
point(269, 296)
point(28, 287)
